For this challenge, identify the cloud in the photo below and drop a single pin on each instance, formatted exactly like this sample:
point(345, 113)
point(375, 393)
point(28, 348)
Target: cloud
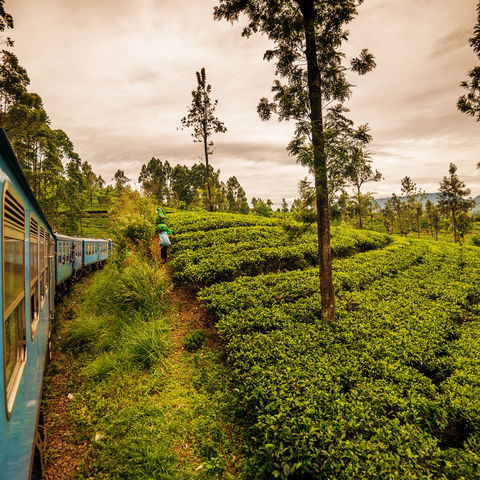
point(117, 76)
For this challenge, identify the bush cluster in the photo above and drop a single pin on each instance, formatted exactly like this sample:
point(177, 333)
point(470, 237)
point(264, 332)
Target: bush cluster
point(389, 391)
point(124, 318)
point(219, 255)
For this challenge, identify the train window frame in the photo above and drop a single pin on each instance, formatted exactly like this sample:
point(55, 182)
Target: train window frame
point(16, 306)
point(42, 291)
point(47, 263)
point(34, 282)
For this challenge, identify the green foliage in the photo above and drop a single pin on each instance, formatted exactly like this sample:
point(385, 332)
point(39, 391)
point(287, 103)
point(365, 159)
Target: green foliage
point(204, 221)
point(476, 240)
point(388, 391)
point(145, 343)
point(208, 257)
point(470, 102)
point(133, 221)
point(120, 322)
point(83, 332)
point(145, 414)
point(453, 199)
point(194, 340)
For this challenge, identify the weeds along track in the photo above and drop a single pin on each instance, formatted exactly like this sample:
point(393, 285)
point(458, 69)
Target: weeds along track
point(390, 390)
point(126, 398)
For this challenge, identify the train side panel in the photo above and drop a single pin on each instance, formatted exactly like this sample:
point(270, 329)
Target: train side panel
point(26, 303)
point(91, 255)
point(68, 257)
point(103, 250)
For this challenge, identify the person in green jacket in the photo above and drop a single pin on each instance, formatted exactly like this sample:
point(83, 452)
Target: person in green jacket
point(163, 239)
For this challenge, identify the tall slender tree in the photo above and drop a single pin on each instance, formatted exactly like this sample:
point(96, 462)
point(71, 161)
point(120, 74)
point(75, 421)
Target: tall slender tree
point(359, 169)
point(453, 198)
point(470, 102)
point(201, 118)
point(413, 202)
point(121, 180)
point(308, 35)
point(433, 215)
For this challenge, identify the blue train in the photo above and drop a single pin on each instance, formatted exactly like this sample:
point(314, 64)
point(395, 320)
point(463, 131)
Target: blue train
point(36, 263)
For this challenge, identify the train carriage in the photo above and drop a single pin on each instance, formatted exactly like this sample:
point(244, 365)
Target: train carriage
point(69, 258)
point(104, 245)
point(26, 299)
point(34, 262)
point(92, 251)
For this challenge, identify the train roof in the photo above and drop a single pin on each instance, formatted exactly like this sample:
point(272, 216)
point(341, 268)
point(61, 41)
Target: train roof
point(91, 239)
point(12, 161)
point(61, 236)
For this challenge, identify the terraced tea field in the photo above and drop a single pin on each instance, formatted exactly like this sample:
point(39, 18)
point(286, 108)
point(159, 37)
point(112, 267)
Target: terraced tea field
point(390, 391)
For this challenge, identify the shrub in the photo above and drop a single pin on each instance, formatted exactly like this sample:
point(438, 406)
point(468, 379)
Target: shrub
point(476, 240)
point(140, 285)
point(390, 390)
point(194, 340)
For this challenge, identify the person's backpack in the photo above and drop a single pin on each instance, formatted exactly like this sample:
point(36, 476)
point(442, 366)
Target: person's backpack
point(164, 240)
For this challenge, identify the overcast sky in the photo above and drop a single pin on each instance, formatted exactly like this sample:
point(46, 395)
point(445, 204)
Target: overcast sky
point(117, 76)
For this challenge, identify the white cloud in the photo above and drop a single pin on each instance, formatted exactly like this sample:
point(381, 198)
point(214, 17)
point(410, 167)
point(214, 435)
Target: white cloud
point(116, 75)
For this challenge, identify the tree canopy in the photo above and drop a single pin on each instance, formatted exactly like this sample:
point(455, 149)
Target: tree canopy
point(469, 103)
point(308, 37)
point(204, 123)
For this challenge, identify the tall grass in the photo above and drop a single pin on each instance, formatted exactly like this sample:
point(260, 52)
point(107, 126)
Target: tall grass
point(123, 318)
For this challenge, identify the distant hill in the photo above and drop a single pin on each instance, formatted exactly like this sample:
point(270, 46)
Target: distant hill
point(430, 196)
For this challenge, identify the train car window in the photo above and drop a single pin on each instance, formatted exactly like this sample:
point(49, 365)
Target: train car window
point(33, 245)
point(42, 263)
point(47, 263)
point(33, 250)
point(14, 322)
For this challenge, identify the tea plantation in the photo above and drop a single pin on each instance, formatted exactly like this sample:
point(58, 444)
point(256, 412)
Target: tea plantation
point(390, 391)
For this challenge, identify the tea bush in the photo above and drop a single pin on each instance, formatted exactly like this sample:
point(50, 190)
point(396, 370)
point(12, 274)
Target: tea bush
point(389, 391)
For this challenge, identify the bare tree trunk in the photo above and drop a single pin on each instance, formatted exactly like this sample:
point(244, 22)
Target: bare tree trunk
point(454, 218)
point(320, 165)
point(207, 173)
point(359, 207)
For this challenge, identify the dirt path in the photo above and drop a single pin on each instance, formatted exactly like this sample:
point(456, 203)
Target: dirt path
point(65, 451)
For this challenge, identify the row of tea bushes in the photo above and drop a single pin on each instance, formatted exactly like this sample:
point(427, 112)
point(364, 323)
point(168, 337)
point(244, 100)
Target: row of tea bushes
point(204, 258)
point(389, 391)
point(202, 221)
